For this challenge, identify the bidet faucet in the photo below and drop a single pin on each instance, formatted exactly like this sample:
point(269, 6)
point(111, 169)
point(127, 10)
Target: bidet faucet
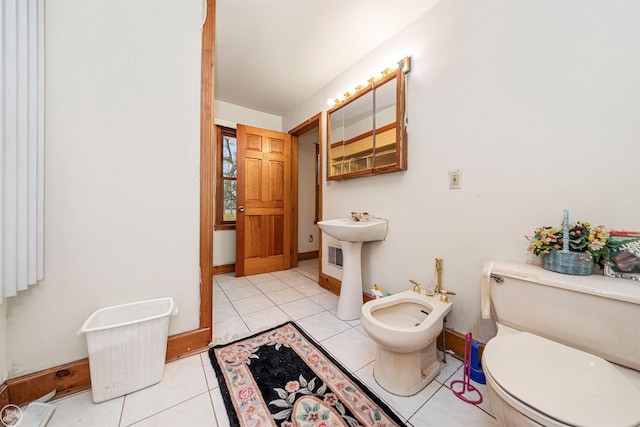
point(416, 286)
point(444, 293)
point(439, 270)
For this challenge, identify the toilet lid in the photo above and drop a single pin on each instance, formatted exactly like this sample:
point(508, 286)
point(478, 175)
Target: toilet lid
point(564, 383)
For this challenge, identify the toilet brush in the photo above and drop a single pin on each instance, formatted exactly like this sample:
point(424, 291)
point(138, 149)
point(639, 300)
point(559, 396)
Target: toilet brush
point(466, 383)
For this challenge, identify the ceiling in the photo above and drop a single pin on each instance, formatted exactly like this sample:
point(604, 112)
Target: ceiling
point(272, 55)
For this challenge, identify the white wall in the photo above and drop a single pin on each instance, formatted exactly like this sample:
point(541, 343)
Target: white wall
point(307, 192)
point(121, 172)
point(537, 103)
point(230, 115)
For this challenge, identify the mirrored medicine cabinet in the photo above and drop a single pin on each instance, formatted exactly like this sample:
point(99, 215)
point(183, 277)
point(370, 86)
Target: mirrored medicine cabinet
point(367, 133)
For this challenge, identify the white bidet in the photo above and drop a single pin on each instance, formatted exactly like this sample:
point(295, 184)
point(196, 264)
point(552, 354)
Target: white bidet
point(405, 327)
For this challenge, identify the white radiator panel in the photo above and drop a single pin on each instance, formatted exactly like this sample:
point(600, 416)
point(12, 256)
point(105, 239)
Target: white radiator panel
point(328, 268)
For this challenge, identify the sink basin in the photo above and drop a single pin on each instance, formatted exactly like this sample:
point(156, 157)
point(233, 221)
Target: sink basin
point(352, 234)
point(347, 230)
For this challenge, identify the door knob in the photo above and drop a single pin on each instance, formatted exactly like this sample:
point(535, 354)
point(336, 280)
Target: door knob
point(241, 208)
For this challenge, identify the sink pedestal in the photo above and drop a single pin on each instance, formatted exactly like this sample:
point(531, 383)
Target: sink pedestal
point(350, 302)
point(351, 235)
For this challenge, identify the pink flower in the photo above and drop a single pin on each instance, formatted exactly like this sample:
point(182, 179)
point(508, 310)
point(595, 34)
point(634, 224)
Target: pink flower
point(313, 359)
point(286, 424)
point(292, 386)
point(313, 417)
point(246, 393)
point(251, 409)
point(330, 399)
point(244, 354)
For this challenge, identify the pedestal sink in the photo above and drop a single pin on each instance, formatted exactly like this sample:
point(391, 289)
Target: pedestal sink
point(352, 234)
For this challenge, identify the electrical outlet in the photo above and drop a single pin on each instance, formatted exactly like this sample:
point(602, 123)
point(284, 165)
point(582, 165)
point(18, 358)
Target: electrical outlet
point(454, 180)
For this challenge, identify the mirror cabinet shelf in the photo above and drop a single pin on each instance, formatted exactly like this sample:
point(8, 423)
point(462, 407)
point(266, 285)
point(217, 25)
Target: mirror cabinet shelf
point(367, 134)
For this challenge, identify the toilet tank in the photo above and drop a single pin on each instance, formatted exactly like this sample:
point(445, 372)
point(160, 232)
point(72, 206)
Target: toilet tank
point(596, 314)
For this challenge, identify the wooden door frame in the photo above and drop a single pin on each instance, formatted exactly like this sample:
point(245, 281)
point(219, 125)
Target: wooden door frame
point(207, 175)
point(303, 127)
point(194, 341)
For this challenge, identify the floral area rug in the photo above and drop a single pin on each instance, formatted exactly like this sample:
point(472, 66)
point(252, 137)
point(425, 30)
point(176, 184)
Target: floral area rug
point(281, 377)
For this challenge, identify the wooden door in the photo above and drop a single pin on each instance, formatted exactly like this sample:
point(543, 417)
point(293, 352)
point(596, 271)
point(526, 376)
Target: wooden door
point(263, 221)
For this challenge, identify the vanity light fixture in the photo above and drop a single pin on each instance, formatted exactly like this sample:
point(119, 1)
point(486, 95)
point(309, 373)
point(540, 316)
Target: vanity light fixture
point(404, 64)
point(388, 71)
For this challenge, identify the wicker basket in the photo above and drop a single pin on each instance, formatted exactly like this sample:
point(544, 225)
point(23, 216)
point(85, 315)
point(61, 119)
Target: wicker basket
point(574, 263)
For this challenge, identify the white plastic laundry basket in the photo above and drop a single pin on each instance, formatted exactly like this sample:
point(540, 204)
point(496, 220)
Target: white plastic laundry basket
point(127, 346)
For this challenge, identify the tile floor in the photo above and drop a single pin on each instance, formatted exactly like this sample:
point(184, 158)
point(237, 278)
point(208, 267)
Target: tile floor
point(189, 395)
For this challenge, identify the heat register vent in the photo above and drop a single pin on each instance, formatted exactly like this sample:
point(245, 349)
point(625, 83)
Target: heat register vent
point(335, 256)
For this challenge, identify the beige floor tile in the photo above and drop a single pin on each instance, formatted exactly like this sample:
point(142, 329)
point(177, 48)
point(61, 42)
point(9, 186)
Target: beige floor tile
point(445, 409)
point(197, 411)
point(219, 408)
point(255, 303)
point(259, 278)
point(262, 319)
point(313, 275)
point(242, 292)
point(272, 286)
point(301, 308)
point(323, 325)
point(219, 297)
point(298, 280)
point(228, 282)
point(224, 277)
point(354, 323)
point(209, 373)
point(482, 388)
point(309, 265)
point(403, 406)
point(310, 289)
point(183, 380)
point(325, 299)
point(285, 273)
point(447, 369)
point(224, 311)
point(284, 296)
point(227, 329)
point(79, 410)
point(353, 349)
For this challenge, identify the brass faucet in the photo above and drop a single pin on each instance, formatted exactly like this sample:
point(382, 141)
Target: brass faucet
point(416, 286)
point(444, 293)
point(439, 270)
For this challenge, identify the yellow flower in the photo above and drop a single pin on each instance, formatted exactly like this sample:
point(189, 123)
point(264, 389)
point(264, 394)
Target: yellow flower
point(591, 237)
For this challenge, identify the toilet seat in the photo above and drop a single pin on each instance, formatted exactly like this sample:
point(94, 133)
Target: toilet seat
point(559, 383)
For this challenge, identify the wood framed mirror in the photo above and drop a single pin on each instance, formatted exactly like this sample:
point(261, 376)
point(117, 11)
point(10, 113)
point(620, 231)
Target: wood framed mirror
point(366, 134)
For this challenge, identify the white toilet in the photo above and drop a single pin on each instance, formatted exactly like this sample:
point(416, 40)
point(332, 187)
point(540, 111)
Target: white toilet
point(405, 327)
point(550, 362)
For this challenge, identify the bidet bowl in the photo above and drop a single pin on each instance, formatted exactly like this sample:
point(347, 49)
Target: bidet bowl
point(348, 230)
point(398, 322)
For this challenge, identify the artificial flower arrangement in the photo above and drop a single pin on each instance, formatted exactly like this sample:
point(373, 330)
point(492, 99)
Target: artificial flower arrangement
point(582, 238)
